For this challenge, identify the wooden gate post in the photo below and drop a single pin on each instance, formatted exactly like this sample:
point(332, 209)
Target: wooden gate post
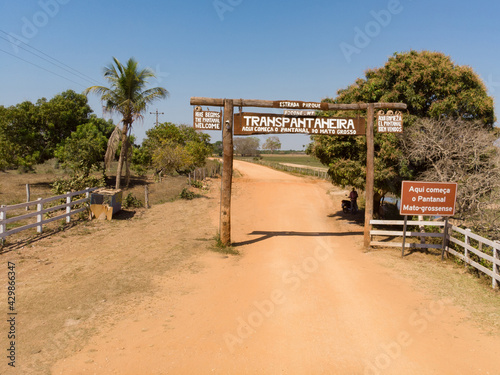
point(227, 172)
point(370, 173)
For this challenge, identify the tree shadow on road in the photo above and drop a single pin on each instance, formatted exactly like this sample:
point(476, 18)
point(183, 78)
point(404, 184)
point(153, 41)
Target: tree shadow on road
point(265, 235)
point(357, 218)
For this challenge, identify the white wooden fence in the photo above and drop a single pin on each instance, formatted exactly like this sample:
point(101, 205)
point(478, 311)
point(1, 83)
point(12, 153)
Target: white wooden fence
point(476, 255)
point(40, 212)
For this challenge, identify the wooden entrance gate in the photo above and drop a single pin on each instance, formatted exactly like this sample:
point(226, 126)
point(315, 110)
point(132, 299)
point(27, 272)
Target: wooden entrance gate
point(227, 139)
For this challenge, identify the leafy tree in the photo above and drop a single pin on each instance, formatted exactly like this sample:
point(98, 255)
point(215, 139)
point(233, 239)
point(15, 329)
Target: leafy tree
point(272, 143)
point(83, 151)
point(246, 146)
point(218, 148)
point(168, 148)
point(429, 83)
point(128, 96)
point(432, 86)
point(30, 133)
point(7, 151)
point(60, 116)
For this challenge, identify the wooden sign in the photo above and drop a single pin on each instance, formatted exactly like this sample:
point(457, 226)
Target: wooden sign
point(428, 198)
point(207, 120)
point(390, 122)
point(268, 123)
point(300, 105)
point(293, 112)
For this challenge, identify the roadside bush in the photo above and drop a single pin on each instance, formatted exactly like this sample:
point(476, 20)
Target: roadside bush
point(197, 184)
point(130, 201)
point(186, 194)
point(77, 183)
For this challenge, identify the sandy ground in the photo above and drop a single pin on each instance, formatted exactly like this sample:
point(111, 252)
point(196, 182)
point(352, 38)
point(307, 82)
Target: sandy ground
point(302, 298)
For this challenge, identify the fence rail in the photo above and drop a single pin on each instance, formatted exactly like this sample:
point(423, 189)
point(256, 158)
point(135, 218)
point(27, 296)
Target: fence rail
point(476, 256)
point(480, 259)
point(41, 211)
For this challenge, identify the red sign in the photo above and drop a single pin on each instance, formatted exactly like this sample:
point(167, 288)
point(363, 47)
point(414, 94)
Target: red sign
point(428, 198)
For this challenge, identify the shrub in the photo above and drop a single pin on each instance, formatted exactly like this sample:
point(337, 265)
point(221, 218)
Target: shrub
point(130, 201)
point(197, 184)
point(77, 183)
point(186, 194)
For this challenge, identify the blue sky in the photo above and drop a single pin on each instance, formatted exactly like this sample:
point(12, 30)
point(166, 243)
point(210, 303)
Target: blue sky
point(273, 50)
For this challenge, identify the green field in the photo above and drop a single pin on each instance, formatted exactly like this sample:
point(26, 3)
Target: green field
point(300, 159)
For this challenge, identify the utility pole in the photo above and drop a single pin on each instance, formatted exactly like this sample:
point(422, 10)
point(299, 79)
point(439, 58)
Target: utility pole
point(157, 114)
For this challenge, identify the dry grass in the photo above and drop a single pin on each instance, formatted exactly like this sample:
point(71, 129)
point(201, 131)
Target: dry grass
point(13, 191)
point(446, 280)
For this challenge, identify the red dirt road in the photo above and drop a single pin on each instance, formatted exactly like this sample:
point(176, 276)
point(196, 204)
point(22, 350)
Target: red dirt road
point(302, 298)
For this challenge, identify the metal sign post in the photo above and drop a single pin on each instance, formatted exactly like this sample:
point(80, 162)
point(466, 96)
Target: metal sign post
point(404, 236)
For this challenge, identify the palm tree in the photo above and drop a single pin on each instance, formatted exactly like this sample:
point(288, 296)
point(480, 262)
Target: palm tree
point(128, 96)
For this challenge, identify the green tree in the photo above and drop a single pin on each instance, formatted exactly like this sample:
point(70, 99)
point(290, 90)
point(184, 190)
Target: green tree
point(432, 86)
point(128, 96)
point(272, 143)
point(83, 151)
point(168, 148)
point(30, 133)
point(60, 116)
point(218, 148)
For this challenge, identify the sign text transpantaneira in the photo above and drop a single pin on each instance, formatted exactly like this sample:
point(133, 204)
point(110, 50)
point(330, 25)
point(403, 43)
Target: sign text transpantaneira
point(259, 123)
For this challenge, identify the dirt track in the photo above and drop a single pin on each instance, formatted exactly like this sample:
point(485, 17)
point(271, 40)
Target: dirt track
point(303, 298)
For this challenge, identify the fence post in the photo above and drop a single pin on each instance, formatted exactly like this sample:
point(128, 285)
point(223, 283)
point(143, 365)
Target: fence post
point(467, 242)
point(422, 230)
point(496, 269)
point(3, 216)
point(146, 196)
point(68, 208)
point(445, 238)
point(28, 196)
point(87, 196)
point(39, 217)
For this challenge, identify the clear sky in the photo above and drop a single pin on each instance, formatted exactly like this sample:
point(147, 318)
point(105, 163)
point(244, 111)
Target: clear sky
point(251, 49)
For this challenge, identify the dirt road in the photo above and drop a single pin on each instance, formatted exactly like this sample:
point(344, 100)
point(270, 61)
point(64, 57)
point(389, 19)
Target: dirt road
point(302, 298)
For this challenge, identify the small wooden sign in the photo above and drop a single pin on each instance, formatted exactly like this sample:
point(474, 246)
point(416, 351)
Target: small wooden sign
point(207, 120)
point(269, 123)
point(428, 198)
point(293, 112)
point(390, 122)
point(289, 104)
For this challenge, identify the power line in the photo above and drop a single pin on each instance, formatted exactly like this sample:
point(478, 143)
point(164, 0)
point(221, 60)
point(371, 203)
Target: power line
point(38, 66)
point(72, 71)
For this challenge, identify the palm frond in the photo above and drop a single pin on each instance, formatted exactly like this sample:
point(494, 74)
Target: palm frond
point(113, 142)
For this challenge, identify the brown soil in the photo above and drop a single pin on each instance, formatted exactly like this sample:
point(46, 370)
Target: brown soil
point(147, 296)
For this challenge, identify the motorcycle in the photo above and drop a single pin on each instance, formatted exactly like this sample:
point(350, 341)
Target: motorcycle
point(346, 206)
